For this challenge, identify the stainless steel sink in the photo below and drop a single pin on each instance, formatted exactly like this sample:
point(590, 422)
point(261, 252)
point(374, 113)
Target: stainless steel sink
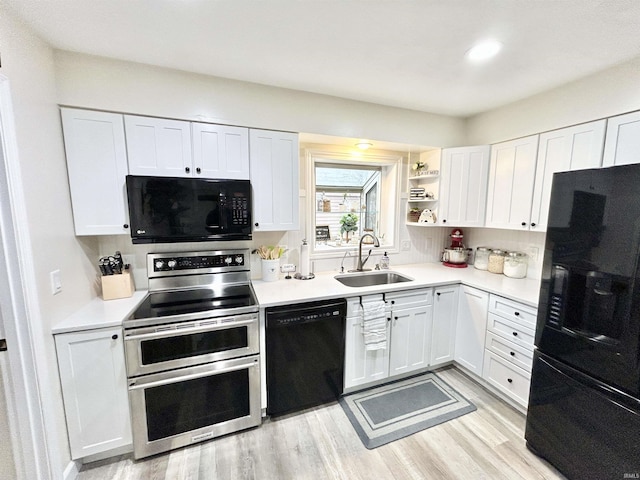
point(367, 279)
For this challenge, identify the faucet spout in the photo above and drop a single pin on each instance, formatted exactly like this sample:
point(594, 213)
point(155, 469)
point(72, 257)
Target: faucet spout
point(376, 243)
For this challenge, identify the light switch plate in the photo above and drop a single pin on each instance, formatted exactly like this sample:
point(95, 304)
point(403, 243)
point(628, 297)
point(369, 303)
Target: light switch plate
point(405, 245)
point(56, 282)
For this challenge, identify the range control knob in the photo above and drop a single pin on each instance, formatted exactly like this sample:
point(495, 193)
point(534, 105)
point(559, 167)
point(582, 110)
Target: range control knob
point(228, 260)
point(239, 260)
point(172, 264)
point(159, 264)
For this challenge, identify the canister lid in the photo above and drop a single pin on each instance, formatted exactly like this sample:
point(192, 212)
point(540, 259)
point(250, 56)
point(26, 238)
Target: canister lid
point(502, 253)
point(483, 249)
point(517, 254)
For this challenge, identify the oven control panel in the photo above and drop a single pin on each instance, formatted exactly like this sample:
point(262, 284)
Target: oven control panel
point(198, 262)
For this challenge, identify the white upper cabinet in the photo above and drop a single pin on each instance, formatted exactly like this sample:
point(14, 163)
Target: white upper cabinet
point(572, 148)
point(622, 146)
point(158, 146)
point(274, 165)
point(463, 185)
point(511, 179)
point(97, 166)
point(220, 151)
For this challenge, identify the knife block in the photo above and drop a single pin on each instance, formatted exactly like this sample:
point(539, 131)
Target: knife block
point(117, 286)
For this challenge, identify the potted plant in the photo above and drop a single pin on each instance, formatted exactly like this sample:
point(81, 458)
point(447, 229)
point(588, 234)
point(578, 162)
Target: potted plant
point(348, 223)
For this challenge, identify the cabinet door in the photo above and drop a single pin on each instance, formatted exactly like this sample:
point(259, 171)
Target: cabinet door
point(572, 148)
point(443, 339)
point(463, 185)
point(410, 334)
point(622, 145)
point(158, 146)
point(473, 307)
point(94, 390)
point(220, 151)
point(511, 177)
point(274, 166)
point(362, 366)
point(97, 167)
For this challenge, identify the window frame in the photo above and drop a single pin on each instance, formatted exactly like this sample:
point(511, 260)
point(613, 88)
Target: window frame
point(390, 191)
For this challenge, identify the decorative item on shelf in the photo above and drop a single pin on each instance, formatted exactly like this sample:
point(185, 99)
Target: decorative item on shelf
point(414, 214)
point(348, 223)
point(326, 205)
point(322, 233)
point(429, 195)
point(427, 216)
point(433, 173)
point(417, 193)
point(418, 167)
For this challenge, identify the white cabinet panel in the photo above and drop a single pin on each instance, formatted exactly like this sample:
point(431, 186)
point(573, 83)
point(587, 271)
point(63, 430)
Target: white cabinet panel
point(463, 185)
point(94, 390)
point(158, 146)
point(622, 145)
point(410, 334)
point(473, 307)
point(274, 165)
point(445, 306)
point(97, 167)
point(572, 148)
point(220, 151)
point(511, 180)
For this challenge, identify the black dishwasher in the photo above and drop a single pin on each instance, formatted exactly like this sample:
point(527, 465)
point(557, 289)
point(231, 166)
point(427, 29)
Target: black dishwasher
point(305, 354)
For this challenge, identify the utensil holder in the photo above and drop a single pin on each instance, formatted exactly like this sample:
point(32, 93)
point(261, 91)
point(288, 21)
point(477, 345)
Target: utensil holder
point(270, 270)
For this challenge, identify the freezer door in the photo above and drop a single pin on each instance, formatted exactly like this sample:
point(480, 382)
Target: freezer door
point(583, 427)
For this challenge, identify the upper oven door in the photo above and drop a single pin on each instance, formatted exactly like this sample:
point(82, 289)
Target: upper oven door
point(177, 345)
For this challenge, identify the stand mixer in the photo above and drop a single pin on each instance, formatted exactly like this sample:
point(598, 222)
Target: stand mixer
point(456, 255)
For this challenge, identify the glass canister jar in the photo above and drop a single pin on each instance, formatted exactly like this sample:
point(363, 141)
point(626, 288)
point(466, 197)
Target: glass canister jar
point(515, 265)
point(481, 261)
point(496, 261)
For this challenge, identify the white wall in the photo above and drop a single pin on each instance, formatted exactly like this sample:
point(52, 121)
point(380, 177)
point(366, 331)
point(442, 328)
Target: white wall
point(106, 84)
point(29, 65)
point(608, 93)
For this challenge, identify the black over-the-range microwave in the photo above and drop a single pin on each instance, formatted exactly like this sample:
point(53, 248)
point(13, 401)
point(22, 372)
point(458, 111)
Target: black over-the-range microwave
point(175, 209)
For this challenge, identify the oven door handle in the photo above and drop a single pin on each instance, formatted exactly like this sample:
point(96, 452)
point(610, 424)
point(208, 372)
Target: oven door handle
point(193, 376)
point(185, 331)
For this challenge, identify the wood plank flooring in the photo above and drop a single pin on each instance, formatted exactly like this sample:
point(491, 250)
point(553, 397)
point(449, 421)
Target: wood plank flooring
point(320, 444)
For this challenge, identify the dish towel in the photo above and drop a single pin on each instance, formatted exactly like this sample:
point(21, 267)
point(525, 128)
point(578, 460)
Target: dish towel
point(374, 325)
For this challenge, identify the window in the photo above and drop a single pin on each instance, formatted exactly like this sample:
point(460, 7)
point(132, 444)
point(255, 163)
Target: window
point(351, 196)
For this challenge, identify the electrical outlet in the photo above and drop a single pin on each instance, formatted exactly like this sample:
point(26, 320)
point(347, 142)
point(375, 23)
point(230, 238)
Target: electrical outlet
point(128, 259)
point(532, 251)
point(405, 245)
point(56, 282)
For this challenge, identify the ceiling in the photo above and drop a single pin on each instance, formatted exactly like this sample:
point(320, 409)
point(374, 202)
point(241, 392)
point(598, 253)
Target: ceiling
point(403, 53)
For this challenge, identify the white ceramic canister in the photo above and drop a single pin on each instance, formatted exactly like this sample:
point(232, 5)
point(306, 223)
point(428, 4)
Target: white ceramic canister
point(270, 270)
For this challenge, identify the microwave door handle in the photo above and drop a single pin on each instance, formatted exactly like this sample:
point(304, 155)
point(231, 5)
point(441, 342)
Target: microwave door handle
point(193, 376)
point(185, 331)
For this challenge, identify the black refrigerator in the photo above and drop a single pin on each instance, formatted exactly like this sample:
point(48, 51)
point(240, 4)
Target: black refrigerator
point(584, 402)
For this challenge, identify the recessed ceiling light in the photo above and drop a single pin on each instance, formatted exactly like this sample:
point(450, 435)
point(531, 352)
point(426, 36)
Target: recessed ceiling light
point(364, 145)
point(483, 50)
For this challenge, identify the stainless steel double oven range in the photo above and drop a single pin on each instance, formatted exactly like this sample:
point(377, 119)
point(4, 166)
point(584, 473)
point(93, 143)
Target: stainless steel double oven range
point(192, 351)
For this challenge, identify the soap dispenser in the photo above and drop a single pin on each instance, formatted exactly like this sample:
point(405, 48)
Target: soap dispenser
point(384, 262)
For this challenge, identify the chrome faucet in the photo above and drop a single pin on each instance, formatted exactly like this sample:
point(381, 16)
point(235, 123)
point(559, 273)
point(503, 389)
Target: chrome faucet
point(376, 243)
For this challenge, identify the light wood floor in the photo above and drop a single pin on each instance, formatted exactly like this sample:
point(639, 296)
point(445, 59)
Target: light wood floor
point(320, 444)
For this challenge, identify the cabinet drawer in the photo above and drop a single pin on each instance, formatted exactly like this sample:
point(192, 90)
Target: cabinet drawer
point(506, 377)
point(354, 304)
point(511, 330)
point(410, 298)
point(514, 311)
point(514, 353)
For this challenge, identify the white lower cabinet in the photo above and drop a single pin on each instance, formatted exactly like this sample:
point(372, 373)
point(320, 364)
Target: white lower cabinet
point(473, 308)
point(509, 348)
point(443, 339)
point(408, 331)
point(94, 389)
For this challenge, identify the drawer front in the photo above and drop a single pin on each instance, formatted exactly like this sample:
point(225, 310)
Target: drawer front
point(511, 330)
point(512, 352)
point(514, 311)
point(507, 378)
point(354, 304)
point(410, 298)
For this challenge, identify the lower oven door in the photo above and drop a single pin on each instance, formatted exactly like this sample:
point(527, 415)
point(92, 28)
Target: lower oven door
point(180, 407)
point(165, 347)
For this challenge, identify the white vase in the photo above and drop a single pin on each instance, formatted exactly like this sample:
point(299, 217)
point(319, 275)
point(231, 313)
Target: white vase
point(270, 270)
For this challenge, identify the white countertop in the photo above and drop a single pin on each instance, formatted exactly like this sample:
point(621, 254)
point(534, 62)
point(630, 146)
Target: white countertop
point(103, 314)
point(324, 286)
point(100, 313)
